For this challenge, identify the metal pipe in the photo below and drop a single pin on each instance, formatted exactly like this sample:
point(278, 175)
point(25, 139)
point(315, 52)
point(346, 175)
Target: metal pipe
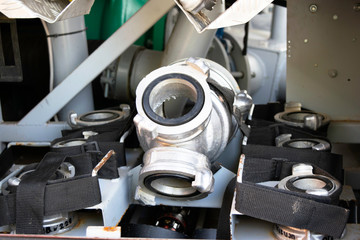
point(186, 42)
point(69, 46)
point(88, 70)
point(278, 25)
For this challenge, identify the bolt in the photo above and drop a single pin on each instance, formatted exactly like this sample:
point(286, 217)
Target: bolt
point(357, 7)
point(332, 73)
point(306, 40)
point(313, 8)
point(335, 17)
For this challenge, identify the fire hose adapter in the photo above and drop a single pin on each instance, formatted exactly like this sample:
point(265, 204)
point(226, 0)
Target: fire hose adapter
point(187, 113)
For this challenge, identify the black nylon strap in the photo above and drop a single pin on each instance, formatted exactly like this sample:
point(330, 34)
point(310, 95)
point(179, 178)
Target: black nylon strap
point(266, 133)
point(75, 194)
point(223, 229)
point(99, 149)
point(30, 195)
point(267, 111)
point(331, 163)
point(286, 208)
point(6, 161)
point(7, 209)
point(71, 195)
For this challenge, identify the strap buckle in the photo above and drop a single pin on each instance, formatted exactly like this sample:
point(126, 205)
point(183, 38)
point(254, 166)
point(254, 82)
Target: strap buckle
point(90, 147)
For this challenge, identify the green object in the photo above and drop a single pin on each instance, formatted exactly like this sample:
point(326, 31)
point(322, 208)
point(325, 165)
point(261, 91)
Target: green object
point(107, 16)
point(93, 20)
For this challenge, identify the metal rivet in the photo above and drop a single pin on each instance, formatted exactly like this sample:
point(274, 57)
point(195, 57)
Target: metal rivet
point(316, 65)
point(289, 41)
point(357, 7)
point(354, 39)
point(289, 56)
point(332, 73)
point(335, 17)
point(306, 40)
point(313, 8)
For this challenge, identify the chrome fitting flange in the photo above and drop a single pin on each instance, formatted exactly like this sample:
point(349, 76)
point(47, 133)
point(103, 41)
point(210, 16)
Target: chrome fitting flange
point(190, 105)
point(285, 140)
point(303, 180)
point(99, 117)
point(303, 119)
point(176, 172)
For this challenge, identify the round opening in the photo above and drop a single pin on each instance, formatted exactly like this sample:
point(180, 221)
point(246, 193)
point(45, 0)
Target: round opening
point(99, 116)
point(303, 144)
point(309, 184)
point(173, 99)
point(170, 185)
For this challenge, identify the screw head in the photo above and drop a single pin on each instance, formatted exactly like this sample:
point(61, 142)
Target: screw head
point(332, 73)
point(313, 8)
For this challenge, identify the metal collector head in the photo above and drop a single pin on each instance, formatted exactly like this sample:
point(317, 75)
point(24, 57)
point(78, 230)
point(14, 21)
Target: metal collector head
point(186, 117)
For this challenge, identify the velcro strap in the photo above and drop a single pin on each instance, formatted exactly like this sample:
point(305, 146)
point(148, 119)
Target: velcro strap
point(73, 194)
point(331, 163)
point(100, 148)
point(30, 195)
point(265, 135)
point(223, 228)
point(288, 209)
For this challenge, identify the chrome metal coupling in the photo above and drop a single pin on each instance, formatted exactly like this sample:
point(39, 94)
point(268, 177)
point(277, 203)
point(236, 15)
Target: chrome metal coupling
point(303, 180)
point(286, 140)
point(99, 117)
point(294, 116)
point(187, 113)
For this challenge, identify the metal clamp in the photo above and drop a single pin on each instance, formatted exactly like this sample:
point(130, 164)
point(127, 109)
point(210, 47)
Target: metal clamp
point(303, 119)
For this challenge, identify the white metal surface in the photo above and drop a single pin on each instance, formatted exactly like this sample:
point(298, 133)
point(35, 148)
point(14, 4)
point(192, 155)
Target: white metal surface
point(115, 198)
point(323, 56)
point(239, 13)
point(50, 11)
point(45, 132)
point(69, 50)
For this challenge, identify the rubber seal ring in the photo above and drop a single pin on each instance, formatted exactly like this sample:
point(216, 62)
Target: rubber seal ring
point(174, 121)
point(287, 143)
point(149, 179)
